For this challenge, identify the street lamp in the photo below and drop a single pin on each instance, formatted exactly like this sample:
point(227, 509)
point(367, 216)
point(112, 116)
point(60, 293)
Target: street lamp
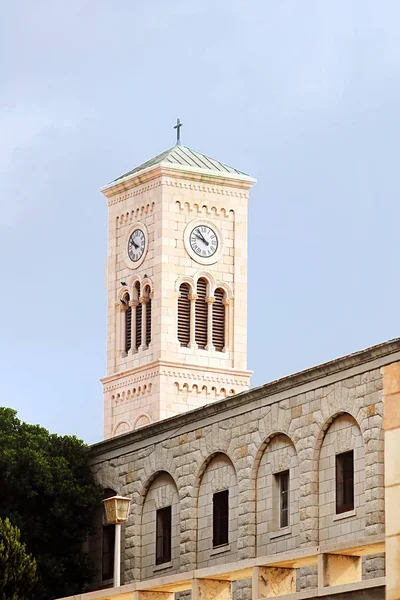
point(117, 511)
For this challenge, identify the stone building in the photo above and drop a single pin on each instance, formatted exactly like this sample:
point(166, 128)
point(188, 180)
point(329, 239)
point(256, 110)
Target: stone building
point(283, 483)
point(294, 434)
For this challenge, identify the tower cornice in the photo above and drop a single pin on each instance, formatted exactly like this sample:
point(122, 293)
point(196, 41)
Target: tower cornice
point(174, 366)
point(192, 174)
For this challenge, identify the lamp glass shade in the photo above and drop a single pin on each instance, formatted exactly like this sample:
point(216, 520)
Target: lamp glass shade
point(117, 509)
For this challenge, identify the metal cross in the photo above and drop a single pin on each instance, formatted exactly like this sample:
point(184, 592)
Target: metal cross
point(178, 132)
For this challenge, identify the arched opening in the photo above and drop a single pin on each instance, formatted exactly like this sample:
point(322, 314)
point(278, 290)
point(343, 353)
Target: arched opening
point(147, 296)
point(201, 314)
point(218, 320)
point(128, 322)
point(138, 318)
point(184, 314)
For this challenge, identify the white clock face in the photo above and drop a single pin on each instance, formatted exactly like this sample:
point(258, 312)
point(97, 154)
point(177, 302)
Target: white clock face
point(136, 245)
point(203, 241)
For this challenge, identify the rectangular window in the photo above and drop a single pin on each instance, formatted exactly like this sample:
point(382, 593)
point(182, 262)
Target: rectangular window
point(220, 518)
point(107, 569)
point(163, 535)
point(283, 490)
point(344, 482)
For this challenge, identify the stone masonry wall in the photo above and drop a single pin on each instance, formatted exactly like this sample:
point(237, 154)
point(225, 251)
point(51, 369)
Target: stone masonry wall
point(302, 420)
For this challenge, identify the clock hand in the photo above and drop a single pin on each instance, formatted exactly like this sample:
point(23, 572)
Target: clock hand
point(203, 238)
point(198, 232)
point(136, 246)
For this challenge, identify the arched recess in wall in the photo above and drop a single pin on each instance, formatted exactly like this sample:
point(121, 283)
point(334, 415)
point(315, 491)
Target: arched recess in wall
point(217, 476)
point(277, 495)
point(341, 470)
point(160, 512)
point(141, 421)
point(122, 427)
point(101, 544)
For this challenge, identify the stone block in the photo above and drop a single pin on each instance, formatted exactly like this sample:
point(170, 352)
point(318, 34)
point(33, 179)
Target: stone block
point(335, 569)
point(392, 411)
point(269, 582)
point(391, 378)
point(150, 595)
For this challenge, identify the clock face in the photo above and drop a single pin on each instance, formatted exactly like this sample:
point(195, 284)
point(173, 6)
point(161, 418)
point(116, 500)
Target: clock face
point(203, 241)
point(136, 245)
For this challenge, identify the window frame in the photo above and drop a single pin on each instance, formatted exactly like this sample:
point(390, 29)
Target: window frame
point(220, 519)
point(108, 536)
point(283, 487)
point(163, 553)
point(344, 482)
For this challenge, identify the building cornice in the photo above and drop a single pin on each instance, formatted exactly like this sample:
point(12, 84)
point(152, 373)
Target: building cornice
point(269, 393)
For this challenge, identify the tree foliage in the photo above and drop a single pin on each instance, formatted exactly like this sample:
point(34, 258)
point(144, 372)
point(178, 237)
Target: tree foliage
point(48, 491)
point(17, 568)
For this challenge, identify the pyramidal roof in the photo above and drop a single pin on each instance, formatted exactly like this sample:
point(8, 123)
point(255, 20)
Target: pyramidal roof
point(183, 157)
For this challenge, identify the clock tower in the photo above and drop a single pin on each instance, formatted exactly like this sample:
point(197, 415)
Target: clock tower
point(177, 288)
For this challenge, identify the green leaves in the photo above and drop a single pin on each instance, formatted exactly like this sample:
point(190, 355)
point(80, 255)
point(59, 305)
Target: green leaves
point(48, 491)
point(17, 568)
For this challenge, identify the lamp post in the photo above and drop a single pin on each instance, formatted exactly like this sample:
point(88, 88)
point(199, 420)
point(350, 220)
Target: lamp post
point(117, 511)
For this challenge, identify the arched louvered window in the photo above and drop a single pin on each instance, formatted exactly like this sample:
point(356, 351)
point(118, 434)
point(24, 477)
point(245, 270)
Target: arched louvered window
point(148, 316)
point(184, 315)
point(201, 314)
point(218, 320)
point(128, 323)
point(138, 317)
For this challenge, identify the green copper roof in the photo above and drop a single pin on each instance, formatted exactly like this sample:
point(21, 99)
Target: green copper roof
point(186, 158)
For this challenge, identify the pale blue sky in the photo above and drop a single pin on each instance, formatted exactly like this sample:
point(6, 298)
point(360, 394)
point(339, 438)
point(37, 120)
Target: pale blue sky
point(303, 95)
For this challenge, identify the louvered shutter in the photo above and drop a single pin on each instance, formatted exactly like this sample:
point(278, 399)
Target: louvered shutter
point(128, 329)
point(184, 315)
point(219, 320)
point(201, 313)
point(128, 323)
point(138, 324)
point(148, 322)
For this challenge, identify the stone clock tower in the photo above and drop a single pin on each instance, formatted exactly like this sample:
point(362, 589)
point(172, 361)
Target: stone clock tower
point(177, 288)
